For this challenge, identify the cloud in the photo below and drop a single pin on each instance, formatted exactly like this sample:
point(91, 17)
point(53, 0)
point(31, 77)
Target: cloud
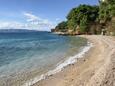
point(36, 21)
point(30, 17)
point(57, 19)
point(32, 22)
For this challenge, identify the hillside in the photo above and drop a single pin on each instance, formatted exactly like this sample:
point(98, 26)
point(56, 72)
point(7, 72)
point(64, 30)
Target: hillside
point(88, 19)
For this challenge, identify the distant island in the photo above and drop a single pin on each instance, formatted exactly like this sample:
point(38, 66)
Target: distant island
point(16, 30)
point(87, 19)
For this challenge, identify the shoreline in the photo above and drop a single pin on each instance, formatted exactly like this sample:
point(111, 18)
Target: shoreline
point(94, 69)
point(70, 61)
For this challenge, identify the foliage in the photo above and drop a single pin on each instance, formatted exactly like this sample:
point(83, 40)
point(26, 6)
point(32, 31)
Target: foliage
point(62, 26)
point(107, 10)
point(71, 24)
point(111, 9)
point(82, 16)
point(83, 25)
point(104, 12)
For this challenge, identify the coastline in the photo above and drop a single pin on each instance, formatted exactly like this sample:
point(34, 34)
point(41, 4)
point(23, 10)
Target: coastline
point(60, 67)
point(93, 69)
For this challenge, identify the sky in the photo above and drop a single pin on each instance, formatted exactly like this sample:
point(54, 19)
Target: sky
point(36, 14)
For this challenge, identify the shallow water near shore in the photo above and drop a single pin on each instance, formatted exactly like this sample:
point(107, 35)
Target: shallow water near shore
point(24, 56)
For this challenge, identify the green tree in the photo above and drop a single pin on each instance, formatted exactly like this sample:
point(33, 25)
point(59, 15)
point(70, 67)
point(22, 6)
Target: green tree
point(62, 26)
point(84, 25)
point(106, 10)
point(82, 15)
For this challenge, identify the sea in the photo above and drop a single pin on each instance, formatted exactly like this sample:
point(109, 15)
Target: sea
point(28, 57)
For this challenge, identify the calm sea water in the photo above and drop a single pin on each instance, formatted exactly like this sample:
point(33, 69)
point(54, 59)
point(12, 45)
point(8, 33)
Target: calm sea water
point(25, 55)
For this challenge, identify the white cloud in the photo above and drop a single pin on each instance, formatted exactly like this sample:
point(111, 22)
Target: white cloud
point(38, 22)
point(57, 19)
point(30, 17)
point(32, 22)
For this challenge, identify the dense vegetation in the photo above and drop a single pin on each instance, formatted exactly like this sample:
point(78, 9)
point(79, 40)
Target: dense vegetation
point(82, 16)
point(87, 19)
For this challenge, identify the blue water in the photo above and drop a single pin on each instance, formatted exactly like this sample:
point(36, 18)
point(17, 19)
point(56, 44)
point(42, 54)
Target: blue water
point(25, 55)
